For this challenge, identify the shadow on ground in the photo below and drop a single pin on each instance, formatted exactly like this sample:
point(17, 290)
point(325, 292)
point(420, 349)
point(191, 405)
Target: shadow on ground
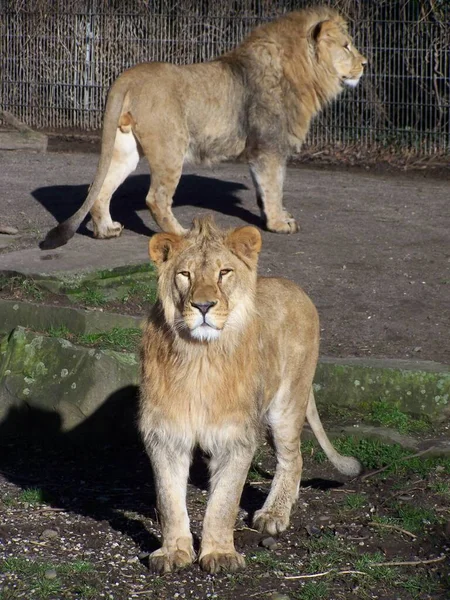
point(99, 469)
point(193, 190)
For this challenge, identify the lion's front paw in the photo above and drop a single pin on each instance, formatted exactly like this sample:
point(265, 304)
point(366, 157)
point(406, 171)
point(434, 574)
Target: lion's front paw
point(270, 522)
point(285, 224)
point(103, 232)
point(163, 561)
point(222, 561)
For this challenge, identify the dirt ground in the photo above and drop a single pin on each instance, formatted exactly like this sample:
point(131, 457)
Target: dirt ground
point(373, 251)
point(77, 528)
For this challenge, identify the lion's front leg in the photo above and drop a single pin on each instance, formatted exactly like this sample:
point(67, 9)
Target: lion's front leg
point(171, 470)
point(228, 472)
point(268, 172)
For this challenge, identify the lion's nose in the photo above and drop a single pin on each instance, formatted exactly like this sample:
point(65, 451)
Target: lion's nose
point(203, 307)
point(364, 61)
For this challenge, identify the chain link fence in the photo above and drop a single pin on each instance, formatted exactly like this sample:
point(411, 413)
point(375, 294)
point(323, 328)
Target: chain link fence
point(58, 59)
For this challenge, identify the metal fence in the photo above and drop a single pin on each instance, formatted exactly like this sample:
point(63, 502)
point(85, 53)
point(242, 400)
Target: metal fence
point(58, 59)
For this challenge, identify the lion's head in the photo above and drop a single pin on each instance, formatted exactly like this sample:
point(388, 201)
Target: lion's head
point(334, 47)
point(206, 279)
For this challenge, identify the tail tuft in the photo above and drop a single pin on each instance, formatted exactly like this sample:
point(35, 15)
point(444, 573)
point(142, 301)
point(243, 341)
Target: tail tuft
point(347, 465)
point(58, 236)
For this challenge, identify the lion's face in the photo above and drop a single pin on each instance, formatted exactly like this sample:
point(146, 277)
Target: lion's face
point(336, 47)
point(206, 279)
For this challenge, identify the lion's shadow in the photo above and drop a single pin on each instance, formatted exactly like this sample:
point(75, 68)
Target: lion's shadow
point(129, 200)
point(99, 469)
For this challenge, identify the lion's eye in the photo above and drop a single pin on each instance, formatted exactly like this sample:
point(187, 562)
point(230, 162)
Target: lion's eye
point(347, 46)
point(185, 274)
point(224, 272)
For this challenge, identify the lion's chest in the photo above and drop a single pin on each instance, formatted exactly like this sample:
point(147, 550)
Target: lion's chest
point(205, 401)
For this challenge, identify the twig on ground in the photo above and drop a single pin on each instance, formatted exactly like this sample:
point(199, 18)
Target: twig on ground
point(325, 573)
point(399, 460)
point(386, 526)
point(407, 563)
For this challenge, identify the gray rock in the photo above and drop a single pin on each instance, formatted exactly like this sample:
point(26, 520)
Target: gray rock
point(49, 534)
point(270, 543)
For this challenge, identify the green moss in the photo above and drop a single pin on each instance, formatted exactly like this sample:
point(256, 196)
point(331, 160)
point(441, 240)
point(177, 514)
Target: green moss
point(385, 413)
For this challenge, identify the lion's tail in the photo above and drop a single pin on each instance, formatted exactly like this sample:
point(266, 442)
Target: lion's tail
point(61, 234)
point(348, 465)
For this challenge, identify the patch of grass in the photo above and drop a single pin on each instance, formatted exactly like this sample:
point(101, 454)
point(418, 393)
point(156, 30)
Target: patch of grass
point(420, 584)
point(8, 500)
point(32, 496)
point(32, 578)
point(365, 563)
point(114, 339)
point(414, 518)
point(92, 297)
point(270, 561)
point(77, 566)
point(324, 552)
point(117, 338)
point(441, 487)
point(141, 291)
point(23, 286)
point(388, 415)
point(355, 501)
point(59, 332)
point(374, 454)
point(409, 517)
point(86, 592)
point(312, 590)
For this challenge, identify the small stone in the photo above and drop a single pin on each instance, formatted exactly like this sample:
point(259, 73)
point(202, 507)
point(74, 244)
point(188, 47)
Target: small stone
point(324, 518)
point(143, 555)
point(50, 574)
point(313, 530)
point(270, 543)
point(278, 596)
point(49, 534)
point(8, 230)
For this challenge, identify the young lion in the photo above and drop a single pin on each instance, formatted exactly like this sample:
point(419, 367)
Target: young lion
point(224, 354)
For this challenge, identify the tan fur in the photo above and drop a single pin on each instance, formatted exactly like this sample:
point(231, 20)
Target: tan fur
point(256, 102)
point(225, 354)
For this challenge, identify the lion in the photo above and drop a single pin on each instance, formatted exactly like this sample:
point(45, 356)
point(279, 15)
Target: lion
point(225, 354)
point(254, 103)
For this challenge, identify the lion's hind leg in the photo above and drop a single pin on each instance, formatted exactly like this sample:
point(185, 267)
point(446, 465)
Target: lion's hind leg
point(267, 171)
point(165, 153)
point(285, 419)
point(124, 161)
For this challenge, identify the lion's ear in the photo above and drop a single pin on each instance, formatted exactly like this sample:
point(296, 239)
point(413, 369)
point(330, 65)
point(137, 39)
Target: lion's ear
point(162, 246)
point(325, 30)
point(245, 242)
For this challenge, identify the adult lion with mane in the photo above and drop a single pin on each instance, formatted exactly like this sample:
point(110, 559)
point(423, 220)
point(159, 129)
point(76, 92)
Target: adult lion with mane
point(255, 102)
point(224, 355)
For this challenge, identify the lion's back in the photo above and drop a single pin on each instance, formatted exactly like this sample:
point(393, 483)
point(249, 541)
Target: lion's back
point(285, 309)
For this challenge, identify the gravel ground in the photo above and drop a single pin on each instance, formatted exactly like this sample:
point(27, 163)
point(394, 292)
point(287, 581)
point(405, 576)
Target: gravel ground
point(73, 527)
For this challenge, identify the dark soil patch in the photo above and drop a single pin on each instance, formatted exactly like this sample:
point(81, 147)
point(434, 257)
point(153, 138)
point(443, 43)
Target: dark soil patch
point(95, 523)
